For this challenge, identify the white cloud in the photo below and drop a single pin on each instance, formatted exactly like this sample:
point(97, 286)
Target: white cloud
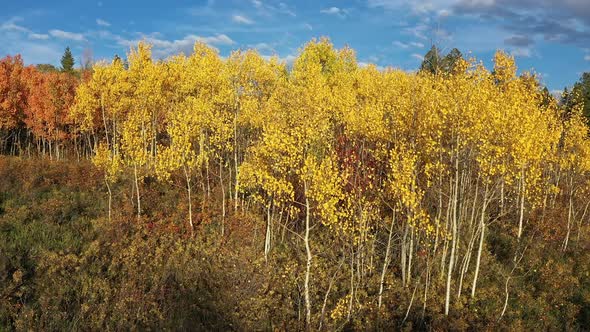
point(289, 59)
point(401, 44)
point(308, 26)
point(587, 57)
point(417, 56)
point(418, 31)
point(36, 53)
point(40, 36)
point(22, 41)
point(102, 22)
point(557, 94)
point(67, 35)
point(163, 47)
point(219, 39)
point(11, 25)
point(16, 39)
point(522, 52)
point(367, 64)
point(331, 10)
point(263, 47)
point(268, 10)
point(284, 9)
point(444, 13)
point(241, 19)
point(418, 7)
point(335, 11)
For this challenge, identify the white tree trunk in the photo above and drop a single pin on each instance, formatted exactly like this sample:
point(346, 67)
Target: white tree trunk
point(309, 258)
point(137, 190)
point(482, 226)
point(110, 196)
point(454, 235)
point(190, 205)
point(222, 197)
point(522, 197)
point(386, 261)
point(569, 218)
point(267, 236)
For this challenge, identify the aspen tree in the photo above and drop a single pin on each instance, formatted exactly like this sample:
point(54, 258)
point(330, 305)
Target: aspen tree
point(110, 164)
point(137, 131)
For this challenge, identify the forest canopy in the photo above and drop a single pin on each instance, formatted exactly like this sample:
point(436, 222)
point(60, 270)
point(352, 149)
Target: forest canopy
point(352, 197)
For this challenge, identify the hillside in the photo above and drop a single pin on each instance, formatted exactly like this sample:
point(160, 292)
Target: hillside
point(208, 193)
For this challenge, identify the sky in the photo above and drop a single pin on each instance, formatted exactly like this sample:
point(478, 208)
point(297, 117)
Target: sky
point(549, 37)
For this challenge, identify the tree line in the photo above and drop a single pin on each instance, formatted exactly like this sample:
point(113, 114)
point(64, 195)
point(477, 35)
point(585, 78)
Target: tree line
point(35, 103)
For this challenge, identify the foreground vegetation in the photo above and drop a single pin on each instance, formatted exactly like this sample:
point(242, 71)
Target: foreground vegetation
point(239, 194)
point(64, 266)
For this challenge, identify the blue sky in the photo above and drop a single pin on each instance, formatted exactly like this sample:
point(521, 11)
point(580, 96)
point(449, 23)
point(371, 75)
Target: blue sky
point(551, 37)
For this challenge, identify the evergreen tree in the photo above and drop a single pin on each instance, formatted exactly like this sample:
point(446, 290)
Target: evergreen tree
point(580, 93)
point(432, 61)
point(582, 88)
point(67, 61)
point(450, 60)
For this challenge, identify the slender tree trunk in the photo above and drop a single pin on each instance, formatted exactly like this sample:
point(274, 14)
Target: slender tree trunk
point(386, 260)
point(137, 190)
point(411, 302)
point(328, 294)
point(29, 146)
point(190, 204)
point(76, 147)
point(351, 284)
point(309, 259)
point(482, 226)
point(222, 197)
point(443, 260)
point(404, 256)
point(56, 150)
point(426, 284)
point(502, 197)
point(506, 296)
point(410, 256)
point(438, 216)
point(569, 216)
point(110, 196)
point(230, 182)
point(465, 264)
point(454, 235)
point(114, 131)
point(208, 182)
point(267, 237)
point(236, 161)
point(522, 196)
point(450, 268)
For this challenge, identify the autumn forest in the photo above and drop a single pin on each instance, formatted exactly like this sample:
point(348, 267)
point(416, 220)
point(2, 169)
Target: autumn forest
point(201, 192)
